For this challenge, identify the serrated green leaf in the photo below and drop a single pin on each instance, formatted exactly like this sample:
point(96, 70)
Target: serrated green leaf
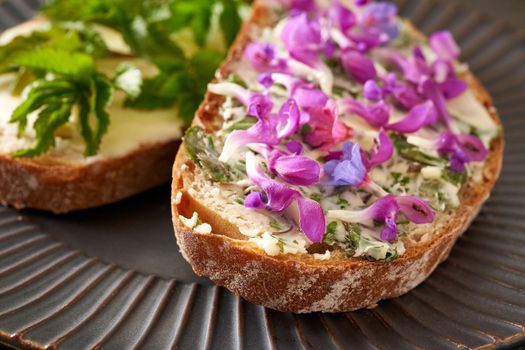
point(230, 21)
point(72, 64)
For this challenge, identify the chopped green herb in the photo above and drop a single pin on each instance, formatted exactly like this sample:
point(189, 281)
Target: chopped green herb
point(280, 243)
point(410, 152)
point(391, 256)
point(329, 236)
point(353, 236)
point(275, 225)
point(201, 150)
point(316, 197)
point(454, 177)
point(342, 203)
point(242, 124)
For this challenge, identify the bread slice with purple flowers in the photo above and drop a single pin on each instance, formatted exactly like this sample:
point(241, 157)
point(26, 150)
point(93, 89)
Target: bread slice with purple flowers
point(335, 160)
point(92, 106)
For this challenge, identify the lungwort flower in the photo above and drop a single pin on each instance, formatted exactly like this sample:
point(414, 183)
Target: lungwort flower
point(352, 165)
point(386, 210)
point(277, 197)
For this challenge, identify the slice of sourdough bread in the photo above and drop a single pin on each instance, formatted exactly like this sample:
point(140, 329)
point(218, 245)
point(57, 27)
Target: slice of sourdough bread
point(136, 154)
point(298, 282)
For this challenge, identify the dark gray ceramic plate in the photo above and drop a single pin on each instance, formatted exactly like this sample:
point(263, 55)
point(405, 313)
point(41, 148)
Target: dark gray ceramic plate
point(113, 278)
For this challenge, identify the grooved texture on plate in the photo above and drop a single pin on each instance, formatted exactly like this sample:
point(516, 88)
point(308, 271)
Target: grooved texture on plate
point(55, 297)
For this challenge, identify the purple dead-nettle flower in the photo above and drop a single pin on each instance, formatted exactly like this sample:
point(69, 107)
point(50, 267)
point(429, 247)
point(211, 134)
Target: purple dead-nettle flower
point(297, 7)
point(386, 209)
point(257, 103)
point(404, 94)
point(358, 66)
point(301, 36)
point(277, 197)
point(444, 45)
point(376, 114)
point(342, 17)
point(348, 171)
point(417, 117)
point(461, 148)
point(294, 169)
point(264, 57)
point(436, 81)
point(270, 129)
point(380, 153)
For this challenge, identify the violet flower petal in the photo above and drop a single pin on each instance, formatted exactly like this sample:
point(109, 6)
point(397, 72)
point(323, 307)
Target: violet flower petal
point(415, 119)
point(389, 231)
point(263, 57)
point(375, 114)
point(433, 92)
point(444, 45)
point(342, 16)
point(254, 200)
point(358, 66)
point(309, 97)
point(473, 147)
point(302, 38)
point(311, 219)
point(453, 87)
point(295, 147)
point(372, 91)
point(348, 171)
point(279, 196)
point(288, 119)
point(297, 170)
point(382, 151)
point(416, 209)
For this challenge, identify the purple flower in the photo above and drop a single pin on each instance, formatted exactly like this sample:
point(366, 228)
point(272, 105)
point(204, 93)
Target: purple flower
point(382, 151)
point(418, 117)
point(270, 128)
point(277, 197)
point(372, 91)
point(404, 94)
point(302, 38)
point(444, 45)
point(257, 104)
point(263, 57)
point(386, 209)
point(326, 130)
point(295, 169)
point(358, 66)
point(462, 149)
point(377, 25)
point(307, 98)
point(349, 171)
point(376, 114)
point(299, 6)
point(342, 16)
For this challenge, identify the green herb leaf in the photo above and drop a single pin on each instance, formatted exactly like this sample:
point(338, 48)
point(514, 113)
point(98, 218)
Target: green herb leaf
point(201, 150)
point(410, 152)
point(329, 236)
point(230, 20)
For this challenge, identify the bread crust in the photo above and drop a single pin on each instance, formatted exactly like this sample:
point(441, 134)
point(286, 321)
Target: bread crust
point(51, 184)
point(59, 187)
point(300, 283)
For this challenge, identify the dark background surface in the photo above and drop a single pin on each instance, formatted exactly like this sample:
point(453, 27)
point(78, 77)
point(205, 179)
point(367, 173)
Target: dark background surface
point(148, 246)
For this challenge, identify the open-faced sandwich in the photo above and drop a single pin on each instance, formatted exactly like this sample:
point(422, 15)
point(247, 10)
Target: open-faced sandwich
point(336, 158)
point(95, 96)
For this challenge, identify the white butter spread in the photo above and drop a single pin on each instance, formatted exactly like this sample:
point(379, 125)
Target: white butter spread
point(129, 129)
